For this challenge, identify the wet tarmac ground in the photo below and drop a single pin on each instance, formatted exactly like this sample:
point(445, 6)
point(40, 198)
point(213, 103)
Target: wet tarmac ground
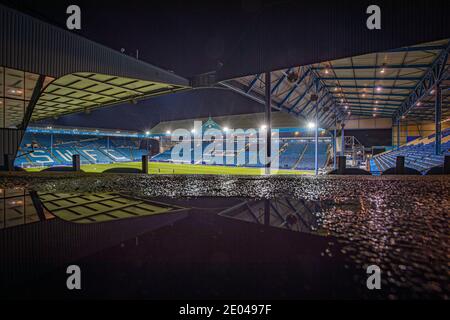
point(400, 224)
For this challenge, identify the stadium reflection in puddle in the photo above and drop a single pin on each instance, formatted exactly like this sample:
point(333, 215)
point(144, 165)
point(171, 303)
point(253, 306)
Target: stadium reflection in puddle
point(16, 208)
point(286, 246)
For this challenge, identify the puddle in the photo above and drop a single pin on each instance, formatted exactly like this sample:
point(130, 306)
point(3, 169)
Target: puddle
point(283, 226)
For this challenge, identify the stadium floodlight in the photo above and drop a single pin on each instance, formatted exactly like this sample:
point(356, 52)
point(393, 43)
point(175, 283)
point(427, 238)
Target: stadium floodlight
point(311, 125)
point(168, 132)
point(263, 127)
point(225, 129)
point(147, 132)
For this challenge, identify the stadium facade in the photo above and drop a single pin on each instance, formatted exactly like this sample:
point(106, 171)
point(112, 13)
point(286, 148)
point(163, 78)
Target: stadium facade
point(48, 72)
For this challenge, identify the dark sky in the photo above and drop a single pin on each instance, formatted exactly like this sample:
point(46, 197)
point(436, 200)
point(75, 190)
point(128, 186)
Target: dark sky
point(144, 115)
point(243, 36)
point(247, 36)
point(188, 37)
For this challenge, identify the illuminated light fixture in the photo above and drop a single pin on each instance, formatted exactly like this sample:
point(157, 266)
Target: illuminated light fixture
point(327, 71)
point(147, 132)
point(263, 127)
point(376, 102)
point(193, 130)
point(403, 117)
point(342, 100)
point(349, 113)
point(363, 95)
point(335, 89)
point(225, 129)
point(168, 132)
point(379, 89)
point(346, 107)
point(432, 91)
point(419, 103)
point(375, 109)
point(374, 115)
point(311, 125)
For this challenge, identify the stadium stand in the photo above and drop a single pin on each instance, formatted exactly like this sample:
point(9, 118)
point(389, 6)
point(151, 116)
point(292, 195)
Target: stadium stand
point(294, 154)
point(419, 154)
point(42, 150)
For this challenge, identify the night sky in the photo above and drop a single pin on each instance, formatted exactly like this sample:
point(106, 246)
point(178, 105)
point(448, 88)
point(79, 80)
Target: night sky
point(236, 38)
point(247, 36)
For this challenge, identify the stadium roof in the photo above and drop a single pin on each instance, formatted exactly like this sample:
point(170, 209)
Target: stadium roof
point(241, 121)
point(85, 91)
point(396, 83)
point(78, 131)
point(79, 74)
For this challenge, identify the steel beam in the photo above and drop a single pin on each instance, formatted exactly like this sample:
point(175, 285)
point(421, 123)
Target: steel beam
point(252, 83)
point(33, 101)
point(294, 87)
point(369, 67)
point(370, 78)
point(280, 80)
point(372, 87)
point(375, 94)
point(434, 75)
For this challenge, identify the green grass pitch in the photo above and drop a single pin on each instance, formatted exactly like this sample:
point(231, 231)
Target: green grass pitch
point(170, 168)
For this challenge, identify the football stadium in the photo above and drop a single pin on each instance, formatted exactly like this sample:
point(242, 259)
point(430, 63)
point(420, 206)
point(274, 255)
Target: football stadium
point(314, 174)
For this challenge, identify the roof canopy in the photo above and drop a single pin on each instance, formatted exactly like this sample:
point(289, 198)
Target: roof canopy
point(86, 91)
point(397, 83)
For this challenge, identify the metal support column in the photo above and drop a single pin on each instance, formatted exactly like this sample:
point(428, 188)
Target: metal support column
point(342, 139)
point(398, 134)
point(145, 164)
point(76, 163)
point(268, 122)
point(316, 142)
point(437, 119)
point(400, 165)
point(334, 146)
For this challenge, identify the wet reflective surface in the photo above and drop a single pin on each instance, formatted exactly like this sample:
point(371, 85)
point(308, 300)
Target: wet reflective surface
point(16, 208)
point(342, 224)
